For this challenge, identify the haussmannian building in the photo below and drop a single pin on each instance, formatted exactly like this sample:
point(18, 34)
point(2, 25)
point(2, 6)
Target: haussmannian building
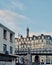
point(7, 47)
point(35, 42)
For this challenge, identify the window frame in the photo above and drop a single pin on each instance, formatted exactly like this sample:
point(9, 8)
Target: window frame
point(4, 47)
point(11, 37)
point(5, 34)
point(11, 49)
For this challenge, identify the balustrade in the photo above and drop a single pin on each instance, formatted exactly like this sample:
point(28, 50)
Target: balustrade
point(45, 50)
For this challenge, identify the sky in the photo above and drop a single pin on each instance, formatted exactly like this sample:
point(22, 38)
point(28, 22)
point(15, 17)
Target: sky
point(17, 15)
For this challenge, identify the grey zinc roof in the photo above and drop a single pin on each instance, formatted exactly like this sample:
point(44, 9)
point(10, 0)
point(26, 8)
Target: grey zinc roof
point(1, 25)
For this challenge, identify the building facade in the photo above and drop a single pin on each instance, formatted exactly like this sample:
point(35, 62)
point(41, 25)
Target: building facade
point(7, 47)
point(35, 43)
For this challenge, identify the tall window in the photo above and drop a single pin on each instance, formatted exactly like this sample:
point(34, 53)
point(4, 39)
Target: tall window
point(11, 49)
point(11, 37)
point(4, 34)
point(4, 47)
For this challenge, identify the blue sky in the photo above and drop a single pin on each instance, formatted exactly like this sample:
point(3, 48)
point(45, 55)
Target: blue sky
point(18, 14)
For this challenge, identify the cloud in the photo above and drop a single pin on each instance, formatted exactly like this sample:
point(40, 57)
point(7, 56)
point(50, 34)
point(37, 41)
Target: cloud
point(7, 17)
point(12, 19)
point(11, 16)
point(12, 5)
point(18, 4)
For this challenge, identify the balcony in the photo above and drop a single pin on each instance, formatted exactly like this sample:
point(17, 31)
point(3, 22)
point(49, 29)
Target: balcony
point(35, 51)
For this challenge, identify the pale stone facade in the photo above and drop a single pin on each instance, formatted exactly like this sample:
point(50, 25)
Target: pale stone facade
point(7, 47)
point(35, 42)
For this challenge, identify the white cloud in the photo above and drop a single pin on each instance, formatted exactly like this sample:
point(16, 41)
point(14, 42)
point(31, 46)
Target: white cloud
point(18, 4)
point(13, 5)
point(12, 16)
point(12, 19)
point(9, 15)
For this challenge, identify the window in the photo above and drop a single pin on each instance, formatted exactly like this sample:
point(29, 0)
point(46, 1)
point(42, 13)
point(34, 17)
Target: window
point(10, 37)
point(4, 34)
point(11, 49)
point(42, 40)
point(42, 37)
point(4, 47)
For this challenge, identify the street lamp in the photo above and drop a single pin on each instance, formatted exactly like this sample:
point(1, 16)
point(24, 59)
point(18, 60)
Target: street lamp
point(18, 48)
point(19, 38)
point(19, 35)
point(18, 43)
point(30, 56)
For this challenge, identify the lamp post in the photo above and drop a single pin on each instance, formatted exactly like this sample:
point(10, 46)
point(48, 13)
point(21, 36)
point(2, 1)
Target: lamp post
point(18, 48)
point(18, 45)
point(19, 35)
point(29, 57)
point(29, 52)
point(19, 38)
